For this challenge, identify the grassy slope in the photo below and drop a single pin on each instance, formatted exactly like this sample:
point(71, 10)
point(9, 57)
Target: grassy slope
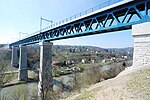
point(128, 86)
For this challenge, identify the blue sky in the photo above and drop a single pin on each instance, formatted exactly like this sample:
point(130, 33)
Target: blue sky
point(24, 16)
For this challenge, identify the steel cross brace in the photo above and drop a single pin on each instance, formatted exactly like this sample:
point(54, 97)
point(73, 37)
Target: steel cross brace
point(118, 18)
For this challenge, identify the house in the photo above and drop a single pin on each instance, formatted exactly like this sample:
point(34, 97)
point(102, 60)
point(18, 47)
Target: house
point(92, 61)
point(125, 57)
point(57, 63)
point(83, 61)
point(70, 62)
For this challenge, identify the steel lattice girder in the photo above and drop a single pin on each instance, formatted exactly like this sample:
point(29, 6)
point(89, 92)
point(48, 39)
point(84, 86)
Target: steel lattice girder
point(118, 18)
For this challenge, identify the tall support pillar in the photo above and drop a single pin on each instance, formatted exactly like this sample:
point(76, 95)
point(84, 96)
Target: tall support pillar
point(23, 70)
point(45, 73)
point(14, 57)
point(141, 34)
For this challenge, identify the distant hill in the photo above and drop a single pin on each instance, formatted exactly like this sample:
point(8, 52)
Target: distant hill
point(88, 49)
point(77, 53)
point(92, 49)
point(78, 48)
point(121, 50)
point(3, 45)
point(81, 49)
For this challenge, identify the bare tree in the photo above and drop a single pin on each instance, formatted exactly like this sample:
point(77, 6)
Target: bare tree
point(4, 77)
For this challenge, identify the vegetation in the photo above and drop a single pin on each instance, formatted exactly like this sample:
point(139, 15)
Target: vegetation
point(4, 78)
point(133, 84)
point(140, 82)
point(95, 74)
point(84, 65)
point(79, 53)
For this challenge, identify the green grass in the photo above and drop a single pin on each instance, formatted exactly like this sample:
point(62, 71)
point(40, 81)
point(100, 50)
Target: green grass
point(120, 98)
point(86, 95)
point(140, 83)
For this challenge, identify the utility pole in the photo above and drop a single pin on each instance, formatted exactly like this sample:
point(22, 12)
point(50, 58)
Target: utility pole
point(43, 19)
point(21, 33)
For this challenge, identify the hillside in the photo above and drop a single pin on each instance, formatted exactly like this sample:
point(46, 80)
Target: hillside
point(91, 49)
point(93, 65)
point(63, 53)
point(131, 84)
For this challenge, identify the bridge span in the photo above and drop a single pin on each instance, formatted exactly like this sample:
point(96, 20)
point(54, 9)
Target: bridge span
point(116, 17)
point(125, 14)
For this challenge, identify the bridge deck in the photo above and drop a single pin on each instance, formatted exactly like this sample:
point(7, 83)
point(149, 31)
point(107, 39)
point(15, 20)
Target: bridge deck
point(96, 12)
point(75, 19)
point(119, 16)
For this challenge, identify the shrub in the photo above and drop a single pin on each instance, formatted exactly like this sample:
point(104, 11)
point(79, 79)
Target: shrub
point(4, 78)
point(94, 75)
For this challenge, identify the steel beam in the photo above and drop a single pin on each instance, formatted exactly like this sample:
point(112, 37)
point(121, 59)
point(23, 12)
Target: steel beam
point(118, 18)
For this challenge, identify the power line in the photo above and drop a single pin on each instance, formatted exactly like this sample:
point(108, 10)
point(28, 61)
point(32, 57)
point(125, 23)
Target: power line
point(43, 19)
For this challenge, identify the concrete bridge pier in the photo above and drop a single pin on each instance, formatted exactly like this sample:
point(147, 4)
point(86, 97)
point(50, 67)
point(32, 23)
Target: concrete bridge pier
point(23, 71)
point(141, 34)
point(45, 73)
point(14, 58)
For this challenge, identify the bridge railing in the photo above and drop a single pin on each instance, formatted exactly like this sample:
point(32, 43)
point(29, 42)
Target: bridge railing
point(100, 6)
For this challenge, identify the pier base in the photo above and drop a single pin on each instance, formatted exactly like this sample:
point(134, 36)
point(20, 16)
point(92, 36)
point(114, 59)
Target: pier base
point(45, 73)
point(141, 34)
point(14, 58)
point(23, 71)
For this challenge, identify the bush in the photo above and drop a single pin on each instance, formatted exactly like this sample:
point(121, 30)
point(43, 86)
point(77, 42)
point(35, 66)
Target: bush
point(94, 75)
point(4, 78)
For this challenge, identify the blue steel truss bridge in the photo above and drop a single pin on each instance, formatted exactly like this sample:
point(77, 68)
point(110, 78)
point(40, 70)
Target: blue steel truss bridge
point(113, 15)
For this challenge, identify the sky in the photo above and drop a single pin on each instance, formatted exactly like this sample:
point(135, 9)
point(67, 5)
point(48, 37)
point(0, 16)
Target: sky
point(24, 16)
